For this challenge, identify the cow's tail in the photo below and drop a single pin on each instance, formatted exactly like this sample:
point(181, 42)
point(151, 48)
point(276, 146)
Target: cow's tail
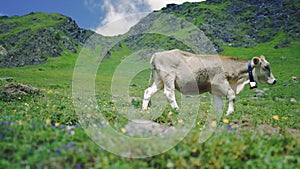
point(151, 76)
point(151, 71)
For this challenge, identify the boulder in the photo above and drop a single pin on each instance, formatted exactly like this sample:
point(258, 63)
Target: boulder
point(147, 128)
point(16, 90)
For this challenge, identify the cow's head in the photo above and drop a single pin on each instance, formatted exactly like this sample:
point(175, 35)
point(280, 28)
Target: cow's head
point(262, 70)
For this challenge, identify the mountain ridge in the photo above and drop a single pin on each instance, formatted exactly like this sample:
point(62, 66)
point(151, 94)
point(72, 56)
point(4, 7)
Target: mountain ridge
point(32, 38)
point(243, 23)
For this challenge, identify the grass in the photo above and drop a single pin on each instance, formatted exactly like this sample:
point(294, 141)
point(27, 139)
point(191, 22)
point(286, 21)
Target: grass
point(57, 73)
point(44, 132)
point(32, 21)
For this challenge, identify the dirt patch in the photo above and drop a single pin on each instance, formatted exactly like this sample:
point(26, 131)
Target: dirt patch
point(17, 90)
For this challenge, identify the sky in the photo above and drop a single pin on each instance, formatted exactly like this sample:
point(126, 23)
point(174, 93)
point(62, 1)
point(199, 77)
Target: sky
point(106, 17)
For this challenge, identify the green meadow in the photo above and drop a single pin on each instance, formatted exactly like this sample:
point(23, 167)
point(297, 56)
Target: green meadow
point(43, 131)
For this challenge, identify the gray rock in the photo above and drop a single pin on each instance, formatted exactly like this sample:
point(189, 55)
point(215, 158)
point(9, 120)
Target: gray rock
point(32, 47)
point(295, 79)
point(8, 79)
point(15, 90)
point(293, 100)
point(147, 128)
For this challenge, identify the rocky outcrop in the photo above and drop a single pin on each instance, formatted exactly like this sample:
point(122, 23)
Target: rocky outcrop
point(159, 31)
point(32, 45)
point(205, 27)
point(18, 90)
point(243, 23)
point(33, 48)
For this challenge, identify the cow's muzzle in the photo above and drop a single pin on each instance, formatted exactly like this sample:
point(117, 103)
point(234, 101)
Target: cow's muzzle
point(272, 81)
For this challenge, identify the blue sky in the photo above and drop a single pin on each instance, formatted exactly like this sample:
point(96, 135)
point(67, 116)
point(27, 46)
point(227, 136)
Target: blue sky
point(102, 16)
point(76, 9)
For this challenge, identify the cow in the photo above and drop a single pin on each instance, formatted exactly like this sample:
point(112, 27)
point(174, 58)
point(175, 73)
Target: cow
point(195, 74)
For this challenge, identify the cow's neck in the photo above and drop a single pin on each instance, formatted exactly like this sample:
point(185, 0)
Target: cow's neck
point(253, 83)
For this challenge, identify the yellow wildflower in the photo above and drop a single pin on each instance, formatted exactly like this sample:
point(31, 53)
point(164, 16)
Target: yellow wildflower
point(226, 121)
point(123, 130)
point(56, 124)
point(276, 117)
point(20, 122)
point(214, 124)
point(180, 121)
point(48, 121)
point(50, 92)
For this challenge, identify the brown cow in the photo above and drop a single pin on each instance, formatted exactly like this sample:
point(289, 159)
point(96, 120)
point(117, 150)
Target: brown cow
point(195, 74)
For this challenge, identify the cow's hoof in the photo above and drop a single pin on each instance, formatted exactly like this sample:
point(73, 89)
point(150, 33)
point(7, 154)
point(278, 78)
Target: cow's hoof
point(229, 113)
point(146, 109)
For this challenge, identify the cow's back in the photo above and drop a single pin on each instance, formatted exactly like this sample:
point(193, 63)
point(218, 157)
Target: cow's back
point(192, 72)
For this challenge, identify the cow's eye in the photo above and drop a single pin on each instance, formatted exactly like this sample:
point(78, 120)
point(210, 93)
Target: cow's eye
point(267, 68)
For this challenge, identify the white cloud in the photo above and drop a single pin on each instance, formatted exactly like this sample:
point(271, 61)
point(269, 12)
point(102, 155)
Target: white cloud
point(122, 14)
point(119, 24)
point(158, 4)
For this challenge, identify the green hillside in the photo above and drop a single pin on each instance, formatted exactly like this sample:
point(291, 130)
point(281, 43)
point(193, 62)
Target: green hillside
point(33, 38)
point(243, 23)
point(42, 130)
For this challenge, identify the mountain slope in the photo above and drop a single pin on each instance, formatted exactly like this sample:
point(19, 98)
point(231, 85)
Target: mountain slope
point(31, 39)
point(209, 26)
point(243, 23)
point(203, 27)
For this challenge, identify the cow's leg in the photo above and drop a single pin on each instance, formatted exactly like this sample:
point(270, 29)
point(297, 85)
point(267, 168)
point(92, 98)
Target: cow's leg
point(223, 89)
point(170, 95)
point(169, 90)
point(218, 103)
point(149, 92)
point(231, 99)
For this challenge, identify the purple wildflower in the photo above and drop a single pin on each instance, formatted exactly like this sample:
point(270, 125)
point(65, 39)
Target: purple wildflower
point(229, 127)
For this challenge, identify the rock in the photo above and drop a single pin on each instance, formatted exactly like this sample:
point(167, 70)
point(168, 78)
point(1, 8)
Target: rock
point(147, 128)
point(3, 51)
point(278, 99)
point(293, 100)
point(33, 46)
point(259, 93)
point(265, 89)
point(283, 58)
point(8, 79)
point(132, 85)
point(286, 84)
point(15, 90)
point(295, 79)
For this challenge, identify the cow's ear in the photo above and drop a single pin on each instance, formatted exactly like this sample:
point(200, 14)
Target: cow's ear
point(255, 61)
point(262, 57)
